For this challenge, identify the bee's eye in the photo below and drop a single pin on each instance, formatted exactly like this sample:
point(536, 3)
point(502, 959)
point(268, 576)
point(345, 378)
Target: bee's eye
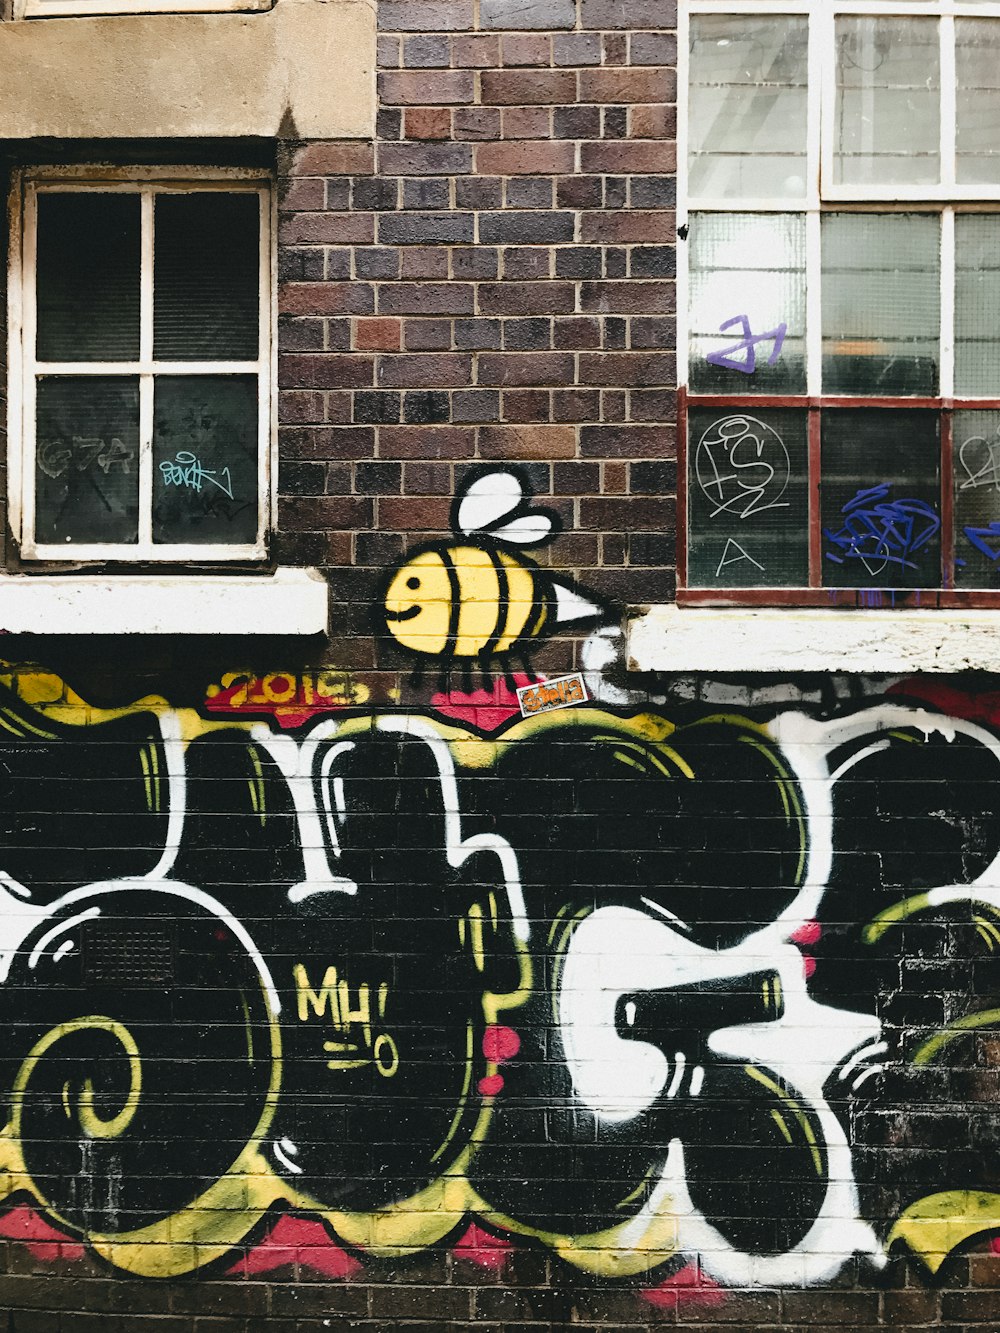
point(413, 582)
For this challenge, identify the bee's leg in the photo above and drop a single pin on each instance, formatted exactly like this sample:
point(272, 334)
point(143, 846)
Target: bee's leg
point(466, 675)
point(527, 668)
point(508, 675)
point(417, 674)
point(484, 671)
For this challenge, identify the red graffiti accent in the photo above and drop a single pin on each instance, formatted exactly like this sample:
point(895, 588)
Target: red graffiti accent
point(485, 709)
point(500, 1044)
point(983, 707)
point(808, 965)
point(808, 933)
point(292, 700)
point(995, 1244)
point(43, 1241)
point(491, 1085)
point(687, 1287)
point(483, 1248)
point(297, 1241)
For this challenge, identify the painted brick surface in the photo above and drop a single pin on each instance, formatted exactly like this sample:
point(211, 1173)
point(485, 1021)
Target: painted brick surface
point(334, 992)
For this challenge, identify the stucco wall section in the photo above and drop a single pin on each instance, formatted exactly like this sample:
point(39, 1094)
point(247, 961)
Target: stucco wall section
point(303, 69)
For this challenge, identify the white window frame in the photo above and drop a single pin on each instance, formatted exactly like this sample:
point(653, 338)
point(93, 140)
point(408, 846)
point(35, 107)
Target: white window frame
point(23, 367)
point(45, 9)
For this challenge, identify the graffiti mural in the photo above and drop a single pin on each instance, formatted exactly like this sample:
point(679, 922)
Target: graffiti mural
point(635, 989)
point(480, 599)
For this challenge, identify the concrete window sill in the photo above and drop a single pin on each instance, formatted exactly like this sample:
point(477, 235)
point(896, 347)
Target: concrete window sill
point(289, 601)
point(786, 640)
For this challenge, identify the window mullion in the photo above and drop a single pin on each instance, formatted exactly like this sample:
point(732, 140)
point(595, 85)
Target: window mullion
point(948, 104)
point(146, 379)
point(814, 306)
point(947, 352)
point(30, 377)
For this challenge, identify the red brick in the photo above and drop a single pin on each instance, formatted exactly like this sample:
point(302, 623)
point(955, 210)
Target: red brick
point(306, 512)
point(420, 370)
point(325, 371)
point(427, 479)
point(426, 16)
point(627, 368)
point(426, 87)
point(618, 227)
point(520, 368)
point(628, 14)
point(525, 157)
point(527, 49)
point(618, 157)
point(426, 442)
point(477, 122)
point(527, 442)
point(415, 513)
point(478, 51)
point(576, 332)
point(335, 159)
point(326, 229)
point(427, 122)
point(527, 122)
point(425, 298)
point(350, 442)
point(526, 298)
point(615, 478)
point(628, 442)
point(628, 85)
point(628, 298)
point(578, 405)
point(424, 159)
point(326, 298)
point(378, 335)
point(528, 87)
point(627, 514)
point(300, 407)
point(653, 122)
point(305, 194)
point(526, 405)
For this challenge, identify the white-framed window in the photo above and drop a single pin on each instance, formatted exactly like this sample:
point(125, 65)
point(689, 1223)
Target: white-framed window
point(840, 302)
point(141, 309)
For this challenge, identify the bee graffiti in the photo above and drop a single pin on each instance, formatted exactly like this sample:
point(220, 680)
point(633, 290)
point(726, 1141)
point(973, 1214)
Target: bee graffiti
point(480, 599)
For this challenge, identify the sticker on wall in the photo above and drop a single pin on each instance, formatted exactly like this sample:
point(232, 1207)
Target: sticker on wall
point(480, 600)
point(545, 696)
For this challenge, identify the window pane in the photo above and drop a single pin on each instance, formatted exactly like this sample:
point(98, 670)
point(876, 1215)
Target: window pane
point(205, 479)
point(86, 461)
point(881, 303)
point(748, 506)
point(88, 277)
point(977, 499)
point(880, 499)
point(977, 70)
point(206, 283)
point(747, 107)
point(747, 282)
point(887, 119)
point(977, 301)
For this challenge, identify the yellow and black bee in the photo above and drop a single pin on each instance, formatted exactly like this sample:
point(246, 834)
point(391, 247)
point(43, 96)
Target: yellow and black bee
point(481, 599)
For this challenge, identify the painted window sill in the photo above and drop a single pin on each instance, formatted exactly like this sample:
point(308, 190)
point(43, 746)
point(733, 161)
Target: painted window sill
point(786, 640)
point(288, 601)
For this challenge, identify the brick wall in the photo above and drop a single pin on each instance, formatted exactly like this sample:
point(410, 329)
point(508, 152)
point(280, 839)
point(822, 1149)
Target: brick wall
point(493, 280)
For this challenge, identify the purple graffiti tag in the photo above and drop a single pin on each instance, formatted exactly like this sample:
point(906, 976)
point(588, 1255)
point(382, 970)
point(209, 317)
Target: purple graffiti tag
point(727, 356)
point(879, 531)
point(986, 540)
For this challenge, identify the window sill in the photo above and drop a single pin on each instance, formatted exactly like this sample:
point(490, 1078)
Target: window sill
point(798, 639)
point(289, 601)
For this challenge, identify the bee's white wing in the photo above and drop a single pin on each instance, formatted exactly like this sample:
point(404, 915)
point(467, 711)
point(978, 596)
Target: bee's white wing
point(528, 530)
point(571, 606)
point(486, 502)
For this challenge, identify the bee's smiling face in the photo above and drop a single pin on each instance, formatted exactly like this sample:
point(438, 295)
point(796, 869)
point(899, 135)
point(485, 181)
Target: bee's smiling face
point(418, 604)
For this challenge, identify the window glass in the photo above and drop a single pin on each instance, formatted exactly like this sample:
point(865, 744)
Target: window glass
point(206, 277)
point(205, 482)
point(88, 276)
point(748, 508)
point(86, 461)
point(887, 118)
point(747, 303)
point(747, 106)
point(977, 303)
point(880, 499)
point(977, 499)
point(977, 70)
point(881, 296)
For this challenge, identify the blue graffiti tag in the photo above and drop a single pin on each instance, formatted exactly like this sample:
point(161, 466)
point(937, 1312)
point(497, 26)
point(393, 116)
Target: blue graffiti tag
point(880, 532)
point(726, 356)
point(986, 540)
